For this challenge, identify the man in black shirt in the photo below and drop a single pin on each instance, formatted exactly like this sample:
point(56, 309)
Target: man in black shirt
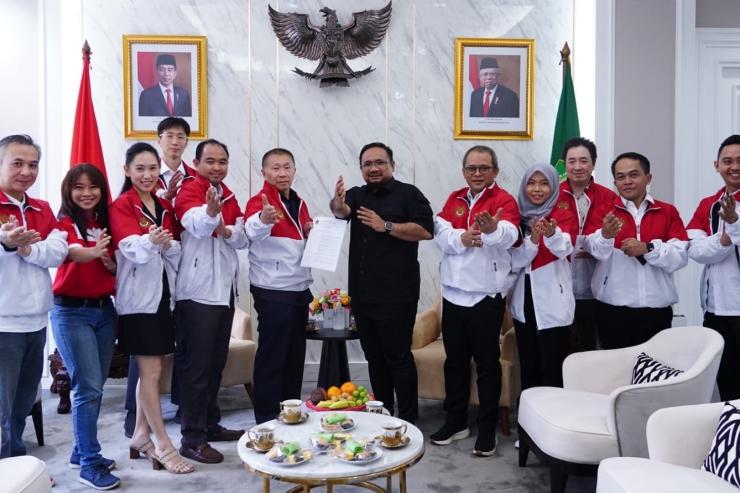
point(388, 219)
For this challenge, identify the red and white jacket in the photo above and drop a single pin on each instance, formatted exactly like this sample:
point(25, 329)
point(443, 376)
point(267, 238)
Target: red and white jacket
point(621, 280)
point(276, 250)
point(721, 275)
point(548, 266)
point(161, 186)
point(83, 279)
point(140, 262)
point(583, 268)
point(209, 268)
point(27, 298)
point(467, 274)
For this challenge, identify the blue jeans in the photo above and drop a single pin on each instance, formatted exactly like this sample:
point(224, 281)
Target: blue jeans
point(86, 338)
point(21, 364)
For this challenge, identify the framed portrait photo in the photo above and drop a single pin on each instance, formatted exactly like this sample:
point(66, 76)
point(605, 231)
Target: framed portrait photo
point(164, 76)
point(494, 88)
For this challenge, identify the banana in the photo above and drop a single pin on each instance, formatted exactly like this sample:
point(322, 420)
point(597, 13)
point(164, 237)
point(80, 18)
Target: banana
point(325, 403)
point(339, 405)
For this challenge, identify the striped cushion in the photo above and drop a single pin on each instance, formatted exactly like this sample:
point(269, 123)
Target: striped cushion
point(649, 370)
point(724, 454)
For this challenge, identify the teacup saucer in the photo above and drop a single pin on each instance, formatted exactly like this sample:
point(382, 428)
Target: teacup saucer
point(281, 418)
point(253, 446)
point(405, 440)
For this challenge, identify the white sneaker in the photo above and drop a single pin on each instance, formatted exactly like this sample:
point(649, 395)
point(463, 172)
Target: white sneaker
point(516, 444)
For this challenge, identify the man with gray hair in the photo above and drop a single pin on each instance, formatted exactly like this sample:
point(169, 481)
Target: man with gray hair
point(32, 243)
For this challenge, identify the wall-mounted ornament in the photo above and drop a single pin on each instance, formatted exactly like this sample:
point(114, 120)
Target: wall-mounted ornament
point(332, 44)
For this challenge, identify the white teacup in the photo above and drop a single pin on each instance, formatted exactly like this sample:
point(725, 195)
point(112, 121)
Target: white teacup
point(291, 410)
point(374, 407)
point(393, 431)
point(262, 436)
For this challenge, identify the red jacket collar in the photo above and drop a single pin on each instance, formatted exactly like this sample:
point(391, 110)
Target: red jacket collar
point(722, 191)
point(488, 192)
point(590, 190)
point(619, 204)
point(205, 185)
point(272, 192)
point(28, 202)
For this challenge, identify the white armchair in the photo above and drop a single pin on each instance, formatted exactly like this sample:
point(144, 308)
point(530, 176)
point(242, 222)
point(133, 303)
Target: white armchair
point(600, 414)
point(679, 440)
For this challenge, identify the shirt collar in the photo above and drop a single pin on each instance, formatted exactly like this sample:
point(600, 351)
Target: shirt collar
point(168, 171)
point(387, 186)
point(648, 200)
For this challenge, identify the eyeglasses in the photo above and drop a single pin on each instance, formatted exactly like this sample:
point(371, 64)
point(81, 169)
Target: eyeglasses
point(179, 138)
point(370, 164)
point(482, 169)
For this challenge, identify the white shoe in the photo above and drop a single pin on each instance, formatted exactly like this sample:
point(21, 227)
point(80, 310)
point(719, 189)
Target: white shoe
point(516, 444)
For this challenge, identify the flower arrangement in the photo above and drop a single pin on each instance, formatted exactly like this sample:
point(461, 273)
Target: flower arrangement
point(334, 298)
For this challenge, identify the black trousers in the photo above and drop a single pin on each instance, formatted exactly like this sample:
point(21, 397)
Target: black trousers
point(203, 332)
point(541, 352)
point(473, 332)
point(622, 326)
point(585, 324)
point(385, 331)
point(728, 377)
point(281, 353)
point(133, 378)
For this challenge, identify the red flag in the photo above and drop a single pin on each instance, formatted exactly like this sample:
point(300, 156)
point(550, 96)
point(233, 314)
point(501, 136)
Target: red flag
point(473, 72)
point(86, 146)
point(147, 71)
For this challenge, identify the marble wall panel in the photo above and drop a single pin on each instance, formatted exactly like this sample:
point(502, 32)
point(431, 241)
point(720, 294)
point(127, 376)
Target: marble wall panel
point(256, 102)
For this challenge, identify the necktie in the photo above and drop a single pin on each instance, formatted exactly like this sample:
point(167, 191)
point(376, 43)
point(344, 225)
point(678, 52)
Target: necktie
point(486, 103)
point(170, 108)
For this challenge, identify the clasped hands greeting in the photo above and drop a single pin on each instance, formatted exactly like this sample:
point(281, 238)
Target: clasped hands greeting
point(13, 235)
point(484, 222)
point(632, 247)
point(542, 227)
point(160, 236)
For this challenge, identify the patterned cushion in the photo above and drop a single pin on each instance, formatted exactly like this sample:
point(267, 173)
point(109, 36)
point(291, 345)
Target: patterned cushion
point(648, 370)
point(724, 454)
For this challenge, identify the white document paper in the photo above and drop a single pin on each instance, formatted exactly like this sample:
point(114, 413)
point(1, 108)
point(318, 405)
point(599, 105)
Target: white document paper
point(324, 243)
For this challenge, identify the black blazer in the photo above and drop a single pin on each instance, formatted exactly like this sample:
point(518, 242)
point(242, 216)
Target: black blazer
point(505, 103)
point(152, 102)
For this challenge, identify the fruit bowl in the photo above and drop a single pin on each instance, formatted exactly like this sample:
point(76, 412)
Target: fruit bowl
point(361, 407)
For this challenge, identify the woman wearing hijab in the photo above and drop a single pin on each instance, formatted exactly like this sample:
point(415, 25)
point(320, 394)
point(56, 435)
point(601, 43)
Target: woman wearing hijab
point(542, 302)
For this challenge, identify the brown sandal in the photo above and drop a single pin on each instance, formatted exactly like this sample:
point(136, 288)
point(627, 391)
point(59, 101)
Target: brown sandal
point(180, 468)
point(135, 452)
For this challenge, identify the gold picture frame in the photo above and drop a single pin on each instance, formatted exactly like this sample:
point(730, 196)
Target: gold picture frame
point(507, 111)
point(164, 76)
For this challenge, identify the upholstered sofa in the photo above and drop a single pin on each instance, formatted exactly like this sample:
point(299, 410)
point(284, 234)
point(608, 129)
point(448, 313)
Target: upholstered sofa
point(429, 354)
point(679, 439)
point(239, 367)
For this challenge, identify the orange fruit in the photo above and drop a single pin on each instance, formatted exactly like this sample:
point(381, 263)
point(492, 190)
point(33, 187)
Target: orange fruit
point(333, 391)
point(348, 387)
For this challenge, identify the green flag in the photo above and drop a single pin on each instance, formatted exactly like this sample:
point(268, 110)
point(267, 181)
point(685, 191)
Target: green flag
point(566, 124)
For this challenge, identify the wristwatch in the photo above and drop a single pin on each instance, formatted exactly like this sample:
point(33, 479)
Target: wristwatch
point(388, 227)
point(649, 246)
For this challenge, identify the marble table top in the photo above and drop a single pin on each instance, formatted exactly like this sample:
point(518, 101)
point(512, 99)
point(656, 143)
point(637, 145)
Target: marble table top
point(323, 466)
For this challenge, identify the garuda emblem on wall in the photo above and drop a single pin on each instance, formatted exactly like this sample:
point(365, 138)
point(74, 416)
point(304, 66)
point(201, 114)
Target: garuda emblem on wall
point(332, 44)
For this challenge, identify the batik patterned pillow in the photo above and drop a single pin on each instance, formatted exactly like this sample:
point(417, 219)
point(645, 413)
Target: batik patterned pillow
point(722, 460)
point(649, 370)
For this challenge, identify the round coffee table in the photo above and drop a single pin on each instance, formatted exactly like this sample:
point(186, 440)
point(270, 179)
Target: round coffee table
point(324, 470)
